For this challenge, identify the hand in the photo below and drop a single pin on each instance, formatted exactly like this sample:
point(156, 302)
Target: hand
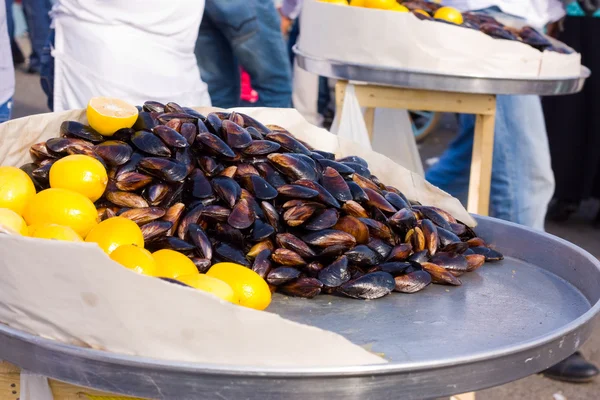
point(286, 23)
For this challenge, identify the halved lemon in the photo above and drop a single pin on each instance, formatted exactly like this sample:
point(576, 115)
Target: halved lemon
point(108, 114)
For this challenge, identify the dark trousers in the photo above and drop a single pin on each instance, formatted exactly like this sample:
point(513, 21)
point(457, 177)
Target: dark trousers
point(573, 122)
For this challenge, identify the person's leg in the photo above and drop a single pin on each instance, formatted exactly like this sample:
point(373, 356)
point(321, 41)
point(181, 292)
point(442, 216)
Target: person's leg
point(47, 70)
point(292, 39)
point(252, 28)
point(38, 25)
point(522, 178)
point(217, 64)
point(451, 172)
point(17, 54)
point(5, 110)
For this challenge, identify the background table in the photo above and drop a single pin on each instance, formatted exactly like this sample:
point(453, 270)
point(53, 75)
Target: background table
point(420, 90)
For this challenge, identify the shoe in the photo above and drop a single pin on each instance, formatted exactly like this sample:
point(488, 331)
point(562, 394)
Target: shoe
point(573, 369)
point(561, 210)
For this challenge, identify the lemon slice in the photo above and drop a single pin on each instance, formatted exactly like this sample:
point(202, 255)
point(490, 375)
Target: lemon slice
point(108, 114)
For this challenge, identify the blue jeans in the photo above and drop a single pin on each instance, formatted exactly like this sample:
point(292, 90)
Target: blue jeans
point(5, 110)
point(522, 178)
point(246, 33)
point(47, 70)
point(38, 25)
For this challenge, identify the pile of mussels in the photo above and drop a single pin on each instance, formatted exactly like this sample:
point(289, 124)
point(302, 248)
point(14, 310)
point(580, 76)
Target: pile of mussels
point(225, 187)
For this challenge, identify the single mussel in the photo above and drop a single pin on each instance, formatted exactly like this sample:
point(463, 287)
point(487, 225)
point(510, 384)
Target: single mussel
point(149, 143)
point(403, 221)
point(191, 217)
point(291, 242)
point(269, 173)
point(288, 142)
point(354, 209)
point(173, 215)
point(292, 167)
point(340, 168)
point(163, 168)
point(250, 122)
point(297, 191)
point(78, 130)
point(379, 230)
point(280, 275)
point(229, 253)
point(440, 275)
point(261, 231)
point(395, 268)
point(200, 240)
point(153, 106)
point(227, 190)
point(143, 215)
point(382, 248)
point(329, 237)
point(215, 144)
point(262, 264)
point(261, 147)
point(400, 252)
point(126, 199)
point(430, 234)
point(144, 121)
point(489, 254)
point(335, 274)
point(131, 181)
point(324, 196)
point(301, 287)
point(298, 215)
point(155, 229)
point(235, 136)
point(322, 219)
point(242, 216)
point(354, 227)
point(170, 136)
point(156, 193)
point(370, 286)
point(451, 261)
point(358, 194)
point(258, 186)
point(114, 152)
point(396, 200)
point(474, 261)
point(412, 282)
point(287, 257)
point(363, 256)
point(335, 184)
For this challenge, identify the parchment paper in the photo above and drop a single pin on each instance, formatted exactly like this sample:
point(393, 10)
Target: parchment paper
point(401, 40)
point(74, 293)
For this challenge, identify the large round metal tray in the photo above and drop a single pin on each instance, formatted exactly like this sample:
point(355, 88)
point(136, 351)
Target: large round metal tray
point(416, 79)
point(508, 320)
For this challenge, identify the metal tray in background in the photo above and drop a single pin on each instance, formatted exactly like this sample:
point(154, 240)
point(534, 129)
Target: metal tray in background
point(417, 79)
point(509, 319)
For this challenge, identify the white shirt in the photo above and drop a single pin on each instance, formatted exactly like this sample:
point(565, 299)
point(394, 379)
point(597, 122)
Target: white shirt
point(7, 71)
point(538, 13)
point(136, 50)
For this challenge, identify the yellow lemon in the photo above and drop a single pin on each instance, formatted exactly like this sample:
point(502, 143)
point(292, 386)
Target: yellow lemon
point(399, 8)
point(114, 232)
point(16, 189)
point(381, 4)
point(79, 173)
point(107, 115)
point(449, 14)
point(210, 285)
point(339, 2)
point(357, 3)
point(172, 264)
point(136, 258)
point(12, 221)
point(251, 289)
point(62, 207)
point(54, 231)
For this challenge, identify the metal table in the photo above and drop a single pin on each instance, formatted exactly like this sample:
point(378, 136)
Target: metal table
point(422, 90)
point(508, 320)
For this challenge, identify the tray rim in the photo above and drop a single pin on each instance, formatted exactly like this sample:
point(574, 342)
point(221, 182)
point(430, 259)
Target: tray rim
point(124, 360)
point(413, 78)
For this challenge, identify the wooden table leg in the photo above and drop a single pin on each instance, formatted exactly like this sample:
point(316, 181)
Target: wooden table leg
point(481, 165)
point(370, 121)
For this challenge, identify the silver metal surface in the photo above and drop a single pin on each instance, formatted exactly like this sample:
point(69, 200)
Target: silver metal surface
point(508, 320)
point(415, 79)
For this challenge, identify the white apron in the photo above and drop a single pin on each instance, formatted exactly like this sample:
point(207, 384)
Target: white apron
point(136, 50)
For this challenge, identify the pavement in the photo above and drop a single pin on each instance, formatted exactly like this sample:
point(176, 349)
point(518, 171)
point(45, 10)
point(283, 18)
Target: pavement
point(30, 99)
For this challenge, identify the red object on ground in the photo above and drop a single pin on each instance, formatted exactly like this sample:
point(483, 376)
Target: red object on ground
point(247, 93)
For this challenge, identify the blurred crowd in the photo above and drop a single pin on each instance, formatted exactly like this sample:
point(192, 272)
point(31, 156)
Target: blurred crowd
point(239, 53)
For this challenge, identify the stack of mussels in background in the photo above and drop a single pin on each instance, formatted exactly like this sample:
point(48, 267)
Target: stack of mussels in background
point(225, 187)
